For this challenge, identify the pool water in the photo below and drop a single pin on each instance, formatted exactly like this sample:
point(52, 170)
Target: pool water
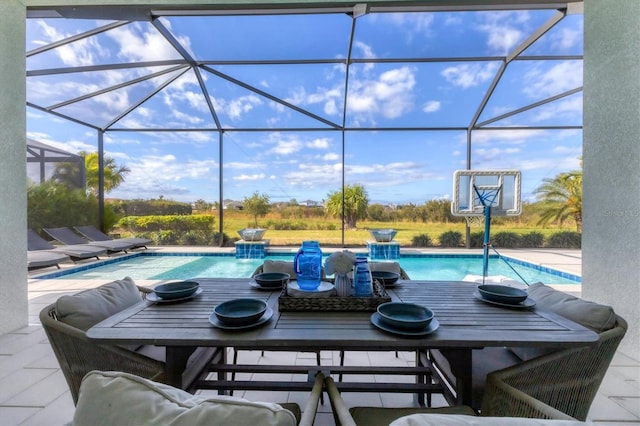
point(147, 266)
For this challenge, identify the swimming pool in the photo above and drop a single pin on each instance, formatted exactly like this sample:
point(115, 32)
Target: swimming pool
point(171, 266)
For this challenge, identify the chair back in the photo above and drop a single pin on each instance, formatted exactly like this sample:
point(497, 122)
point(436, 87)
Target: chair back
point(567, 380)
point(77, 355)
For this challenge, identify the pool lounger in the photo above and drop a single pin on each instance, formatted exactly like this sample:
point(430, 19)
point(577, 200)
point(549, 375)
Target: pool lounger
point(37, 259)
point(67, 236)
point(96, 235)
point(75, 251)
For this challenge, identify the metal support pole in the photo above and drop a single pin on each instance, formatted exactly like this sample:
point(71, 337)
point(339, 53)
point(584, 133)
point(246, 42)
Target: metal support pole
point(486, 243)
point(101, 181)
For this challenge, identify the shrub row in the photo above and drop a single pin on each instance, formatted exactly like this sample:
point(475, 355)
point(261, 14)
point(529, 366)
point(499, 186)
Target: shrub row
point(174, 229)
point(504, 239)
point(299, 225)
point(150, 207)
point(189, 238)
point(197, 222)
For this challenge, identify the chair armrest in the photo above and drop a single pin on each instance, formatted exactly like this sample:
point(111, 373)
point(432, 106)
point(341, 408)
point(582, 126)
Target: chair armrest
point(311, 408)
point(503, 400)
point(340, 410)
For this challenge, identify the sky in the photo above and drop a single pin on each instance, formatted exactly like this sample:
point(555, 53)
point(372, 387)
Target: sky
point(297, 153)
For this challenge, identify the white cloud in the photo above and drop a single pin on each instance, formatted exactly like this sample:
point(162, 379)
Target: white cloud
point(567, 38)
point(136, 44)
point(286, 147)
point(431, 106)
point(504, 30)
point(236, 165)
point(79, 53)
point(567, 108)
point(168, 172)
point(513, 136)
point(561, 77)
point(256, 176)
point(469, 75)
point(390, 95)
point(237, 107)
point(331, 156)
point(488, 154)
point(319, 143)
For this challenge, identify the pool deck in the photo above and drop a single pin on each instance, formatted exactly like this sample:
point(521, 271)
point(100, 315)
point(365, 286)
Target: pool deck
point(34, 392)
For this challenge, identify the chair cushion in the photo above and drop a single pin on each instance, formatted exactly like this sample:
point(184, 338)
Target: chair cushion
point(279, 266)
point(87, 308)
point(385, 266)
point(463, 420)
point(373, 416)
point(115, 398)
point(592, 315)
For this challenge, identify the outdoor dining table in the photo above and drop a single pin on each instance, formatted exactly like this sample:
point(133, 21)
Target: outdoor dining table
point(465, 323)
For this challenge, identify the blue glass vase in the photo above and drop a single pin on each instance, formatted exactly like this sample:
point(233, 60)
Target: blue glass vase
point(362, 280)
point(308, 265)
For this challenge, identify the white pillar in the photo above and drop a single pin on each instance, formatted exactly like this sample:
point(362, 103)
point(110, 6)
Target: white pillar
point(13, 174)
point(611, 149)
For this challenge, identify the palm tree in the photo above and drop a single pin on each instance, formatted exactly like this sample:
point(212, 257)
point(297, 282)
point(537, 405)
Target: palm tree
point(356, 202)
point(561, 198)
point(114, 175)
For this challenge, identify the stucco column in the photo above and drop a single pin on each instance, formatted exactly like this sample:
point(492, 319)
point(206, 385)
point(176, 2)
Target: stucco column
point(13, 175)
point(611, 148)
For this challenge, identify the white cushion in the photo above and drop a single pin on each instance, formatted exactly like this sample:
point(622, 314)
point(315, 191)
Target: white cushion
point(87, 308)
point(114, 398)
point(461, 420)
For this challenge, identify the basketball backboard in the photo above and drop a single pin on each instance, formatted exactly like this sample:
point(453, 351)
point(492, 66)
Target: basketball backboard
point(475, 189)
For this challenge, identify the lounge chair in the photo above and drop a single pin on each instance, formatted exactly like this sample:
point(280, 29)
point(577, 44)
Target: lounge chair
point(94, 234)
point(44, 259)
point(67, 236)
point(75, 251)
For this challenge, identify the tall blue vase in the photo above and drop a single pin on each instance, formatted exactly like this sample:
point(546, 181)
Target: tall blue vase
point(308, 265)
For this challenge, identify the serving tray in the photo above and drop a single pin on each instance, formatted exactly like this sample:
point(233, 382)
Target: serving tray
point(333, 303)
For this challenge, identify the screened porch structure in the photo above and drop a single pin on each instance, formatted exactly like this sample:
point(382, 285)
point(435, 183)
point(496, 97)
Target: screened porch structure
point(244, 103)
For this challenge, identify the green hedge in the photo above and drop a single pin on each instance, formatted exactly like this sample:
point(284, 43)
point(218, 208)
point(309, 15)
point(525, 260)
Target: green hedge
point(150, 207)
point(422, 240)
point(565, 239)
point(173, 229)
point(451, 239)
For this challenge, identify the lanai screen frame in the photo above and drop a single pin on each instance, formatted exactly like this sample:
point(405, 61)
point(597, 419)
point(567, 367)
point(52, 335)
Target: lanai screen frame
point(125, 14)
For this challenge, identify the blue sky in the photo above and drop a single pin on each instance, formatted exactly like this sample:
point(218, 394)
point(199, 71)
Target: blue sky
point(394, 166)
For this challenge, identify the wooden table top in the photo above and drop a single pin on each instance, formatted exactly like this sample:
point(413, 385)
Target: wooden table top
point(465, 322)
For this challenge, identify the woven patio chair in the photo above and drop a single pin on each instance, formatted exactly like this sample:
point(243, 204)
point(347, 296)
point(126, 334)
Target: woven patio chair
point(515, 404)
point(567, 380)
point(77, 355)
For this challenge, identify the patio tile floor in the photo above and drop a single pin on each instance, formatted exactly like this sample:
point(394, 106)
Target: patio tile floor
point(33, 390)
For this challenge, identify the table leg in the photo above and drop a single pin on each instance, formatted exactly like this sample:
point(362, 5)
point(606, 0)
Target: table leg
point(420, 379)
point(176, 362)
point(461, 365)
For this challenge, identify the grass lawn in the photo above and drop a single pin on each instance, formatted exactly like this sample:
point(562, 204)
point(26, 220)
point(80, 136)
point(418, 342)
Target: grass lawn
point(317, 229)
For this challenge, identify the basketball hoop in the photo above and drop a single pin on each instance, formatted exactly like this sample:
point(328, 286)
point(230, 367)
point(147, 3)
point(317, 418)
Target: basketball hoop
point(474, 221)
